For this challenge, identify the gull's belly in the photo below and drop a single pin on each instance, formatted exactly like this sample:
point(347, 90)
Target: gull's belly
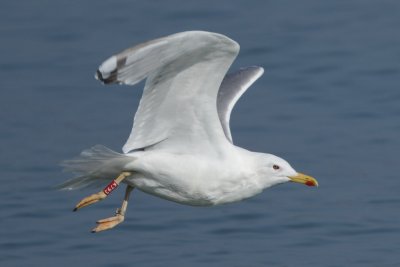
point(187, 179)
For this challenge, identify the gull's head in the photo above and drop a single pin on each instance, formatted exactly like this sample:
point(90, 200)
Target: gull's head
point(273, 170)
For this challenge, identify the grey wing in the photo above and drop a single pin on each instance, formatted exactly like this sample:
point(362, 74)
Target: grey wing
point(184, 72)
point(232, 88)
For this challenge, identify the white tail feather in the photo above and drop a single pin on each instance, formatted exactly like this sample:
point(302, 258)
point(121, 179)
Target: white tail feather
point(95, 166)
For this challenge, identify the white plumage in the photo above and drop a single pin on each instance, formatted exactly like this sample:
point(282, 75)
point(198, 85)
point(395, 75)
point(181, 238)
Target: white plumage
point(180, 147)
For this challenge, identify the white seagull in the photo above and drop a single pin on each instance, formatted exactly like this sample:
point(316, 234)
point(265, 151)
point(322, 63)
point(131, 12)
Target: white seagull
point(180, 147)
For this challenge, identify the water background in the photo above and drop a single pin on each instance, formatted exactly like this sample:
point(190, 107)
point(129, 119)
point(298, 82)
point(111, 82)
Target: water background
point(329, 103)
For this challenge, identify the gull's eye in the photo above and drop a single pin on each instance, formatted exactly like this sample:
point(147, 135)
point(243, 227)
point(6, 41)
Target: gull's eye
point(276, 167)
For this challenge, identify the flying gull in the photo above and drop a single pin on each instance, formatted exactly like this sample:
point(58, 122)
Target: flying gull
point(180, 147)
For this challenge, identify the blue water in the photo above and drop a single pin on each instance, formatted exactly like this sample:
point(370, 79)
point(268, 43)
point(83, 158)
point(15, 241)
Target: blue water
point(329, 103)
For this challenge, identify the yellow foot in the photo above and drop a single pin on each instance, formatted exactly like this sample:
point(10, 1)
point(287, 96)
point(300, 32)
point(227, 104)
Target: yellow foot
point(90, 200)
point(108, 223)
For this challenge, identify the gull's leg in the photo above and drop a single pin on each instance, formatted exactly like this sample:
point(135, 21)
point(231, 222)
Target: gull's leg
point(102, 194)
point(119, 217)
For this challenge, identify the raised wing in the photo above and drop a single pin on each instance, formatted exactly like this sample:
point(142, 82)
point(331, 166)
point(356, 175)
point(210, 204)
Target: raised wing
point(232, 88)
point(184, 72)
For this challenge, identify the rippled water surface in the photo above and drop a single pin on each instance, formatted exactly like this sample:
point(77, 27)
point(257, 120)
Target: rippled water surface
point(329, 103)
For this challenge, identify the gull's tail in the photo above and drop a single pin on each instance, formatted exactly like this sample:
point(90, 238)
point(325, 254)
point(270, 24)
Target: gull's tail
point(95, 166)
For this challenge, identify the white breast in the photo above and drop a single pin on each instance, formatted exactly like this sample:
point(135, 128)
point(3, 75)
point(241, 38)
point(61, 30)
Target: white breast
point(210, 181)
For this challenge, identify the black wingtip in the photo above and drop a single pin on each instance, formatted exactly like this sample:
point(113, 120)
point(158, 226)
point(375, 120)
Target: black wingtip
point(75, 209)
point(99, 76)
point(111, 79)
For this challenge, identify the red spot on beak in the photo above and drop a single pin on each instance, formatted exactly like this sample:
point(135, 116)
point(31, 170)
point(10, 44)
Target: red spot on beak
point(310, 183)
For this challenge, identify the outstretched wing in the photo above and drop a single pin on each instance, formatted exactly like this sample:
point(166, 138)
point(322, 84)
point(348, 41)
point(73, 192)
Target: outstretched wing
point(232, 88)
point(184, 72)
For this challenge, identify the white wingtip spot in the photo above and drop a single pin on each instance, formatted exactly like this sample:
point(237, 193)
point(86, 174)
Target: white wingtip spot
point(108, 66)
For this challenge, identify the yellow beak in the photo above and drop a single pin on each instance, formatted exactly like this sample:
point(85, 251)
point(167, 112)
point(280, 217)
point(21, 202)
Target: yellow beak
point(303, 179)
